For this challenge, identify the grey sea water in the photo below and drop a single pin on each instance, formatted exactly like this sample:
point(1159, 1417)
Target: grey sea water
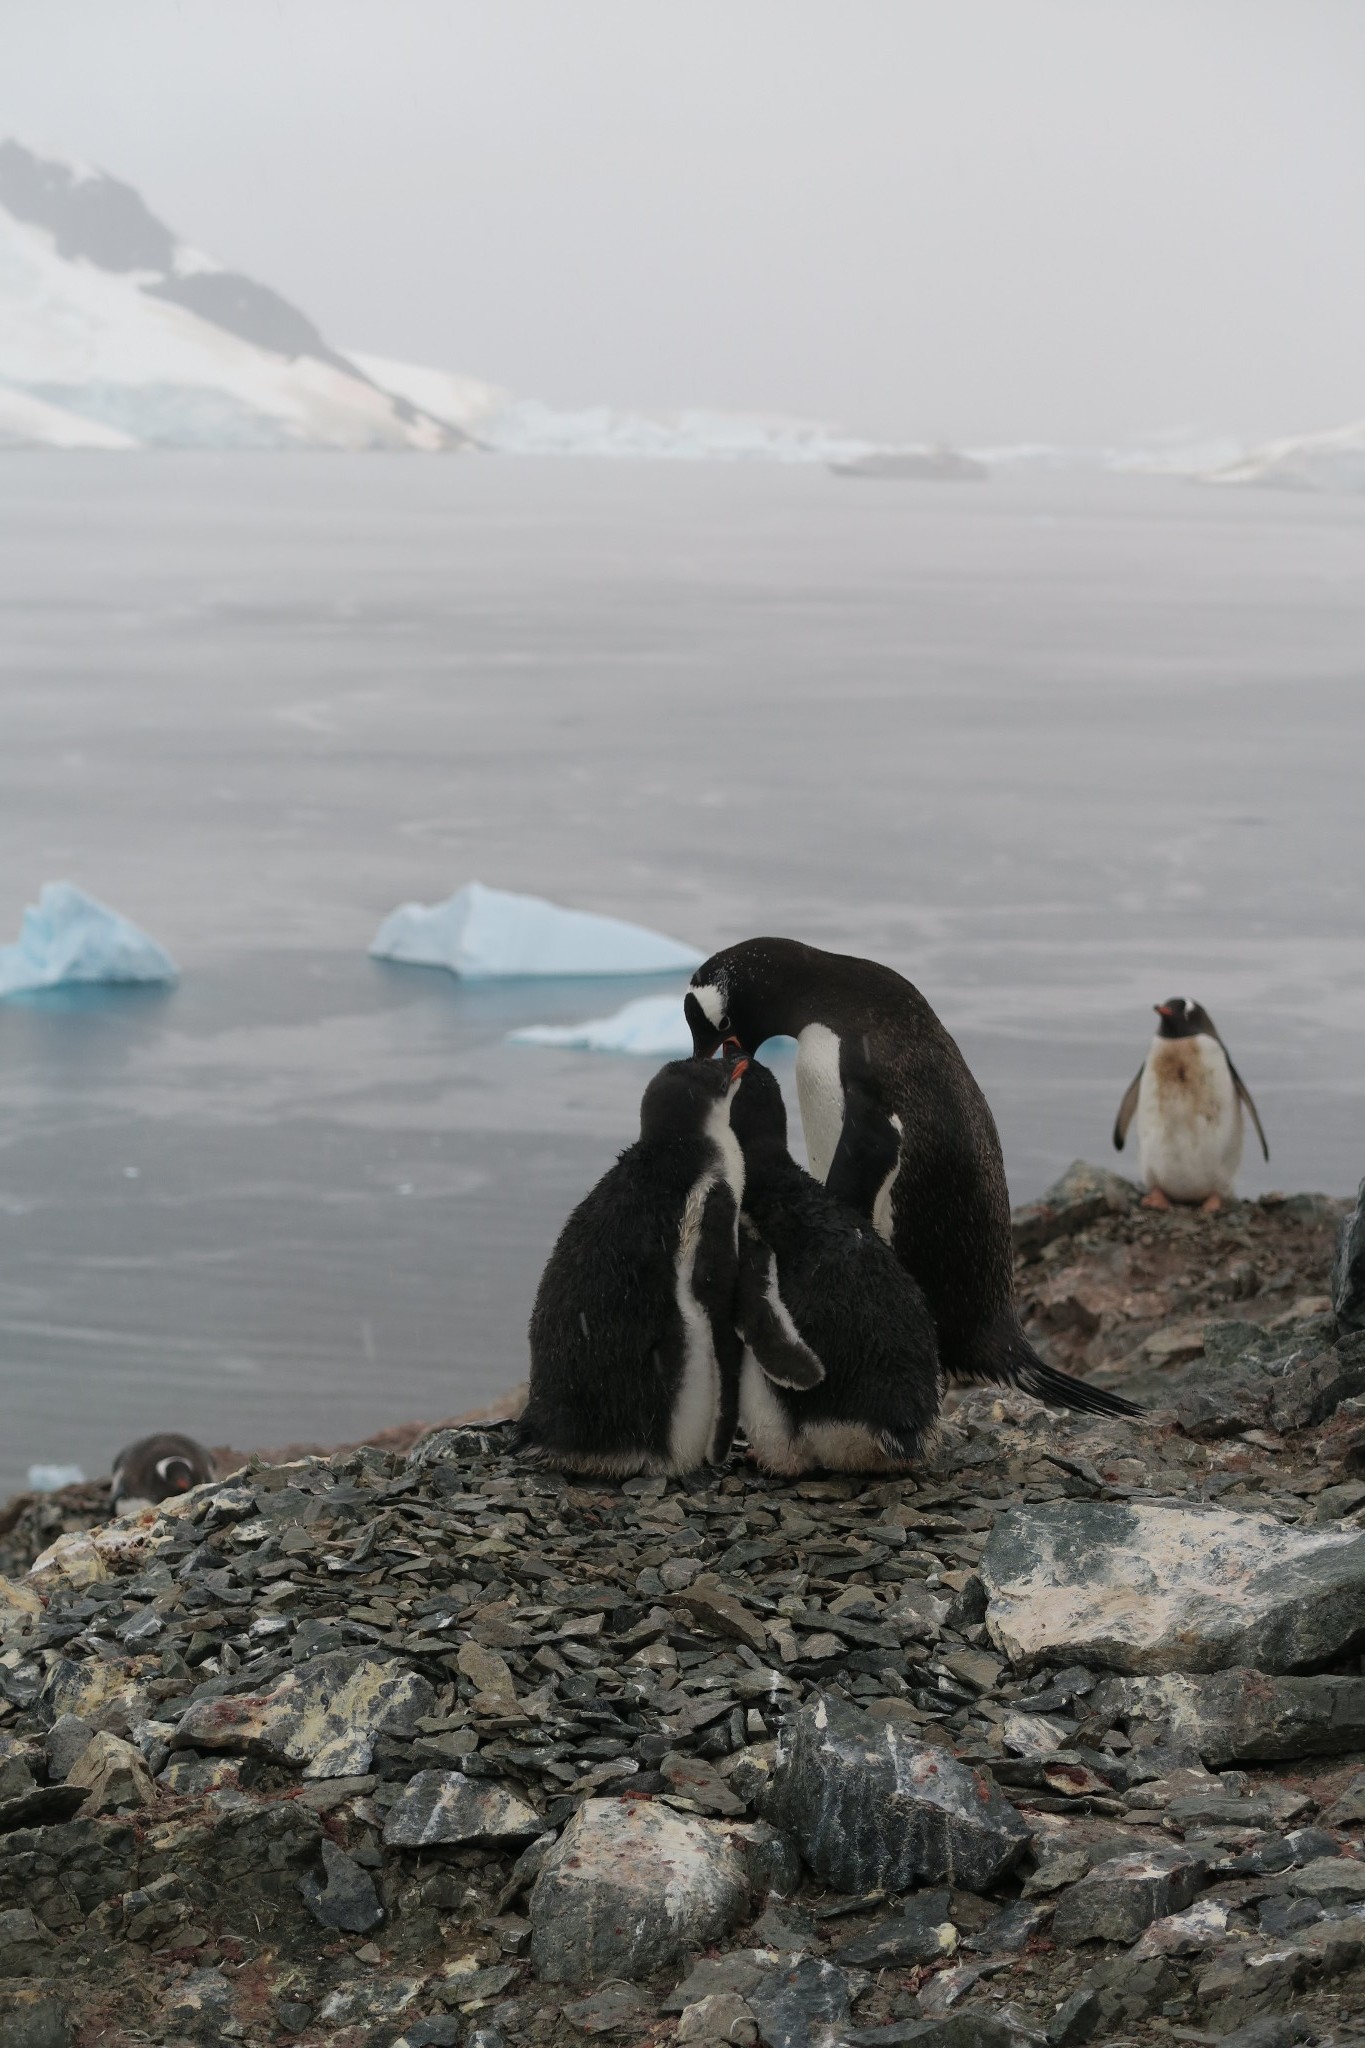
point(1055, 747)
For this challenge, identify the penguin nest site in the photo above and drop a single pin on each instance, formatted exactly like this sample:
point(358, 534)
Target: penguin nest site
point(1060, 1737)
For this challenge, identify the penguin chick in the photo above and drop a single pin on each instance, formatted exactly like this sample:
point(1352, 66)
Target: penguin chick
point(1188, 1099)
point(634, 1354)
point(155, 1467)
point(819, 1289)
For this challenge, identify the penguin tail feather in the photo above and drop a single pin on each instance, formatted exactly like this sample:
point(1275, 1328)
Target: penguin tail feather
point(1017, 1364)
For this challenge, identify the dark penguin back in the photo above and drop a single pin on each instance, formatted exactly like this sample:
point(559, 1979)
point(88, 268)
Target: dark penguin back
point(609, 1342)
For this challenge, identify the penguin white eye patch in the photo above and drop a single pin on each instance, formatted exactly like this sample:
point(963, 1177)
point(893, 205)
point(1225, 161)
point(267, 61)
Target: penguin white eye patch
point(711, 1001)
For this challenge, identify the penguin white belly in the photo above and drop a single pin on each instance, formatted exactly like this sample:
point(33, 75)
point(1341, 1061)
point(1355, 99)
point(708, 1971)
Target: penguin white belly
point(765, 1421)
point(820, 1092)
point(1189, 1120)
point(698, 1401)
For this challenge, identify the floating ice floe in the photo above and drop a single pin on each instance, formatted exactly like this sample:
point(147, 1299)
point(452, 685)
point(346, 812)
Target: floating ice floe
point(482, 934)
point(49, 1478)
point(68, 937)
point(651, 1025)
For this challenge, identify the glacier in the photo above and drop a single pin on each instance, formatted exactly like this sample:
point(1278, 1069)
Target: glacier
point(653, 1026)
point(67, 936)
point(484, 934)
point(49, 1478)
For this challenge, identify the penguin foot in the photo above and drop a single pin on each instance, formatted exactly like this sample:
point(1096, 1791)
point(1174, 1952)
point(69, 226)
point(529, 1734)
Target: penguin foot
point(1210, 1205)
point(1156, 1198)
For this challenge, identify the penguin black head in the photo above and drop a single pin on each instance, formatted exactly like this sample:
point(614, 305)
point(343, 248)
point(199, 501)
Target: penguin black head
point(759, 1115)
point(1182, 1019)
point(158, 1466)
point(682, 1097)
point(745, 993)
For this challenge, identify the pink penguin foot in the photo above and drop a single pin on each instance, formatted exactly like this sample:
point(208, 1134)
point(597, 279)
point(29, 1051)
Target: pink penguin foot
point(1210, 1205)
point(1156, 1199)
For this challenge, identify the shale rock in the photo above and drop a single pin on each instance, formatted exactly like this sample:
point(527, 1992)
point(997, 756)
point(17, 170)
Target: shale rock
point(348, 1900)
point(803, 2003)
point(1152, 1589)
point(1242, 1716)
point(629, 1888)
point(1116, 1900)
point(921, 1932)
point(113, 1774)
point(1080, 1196)
point(446, 1807)
point(874, 1809)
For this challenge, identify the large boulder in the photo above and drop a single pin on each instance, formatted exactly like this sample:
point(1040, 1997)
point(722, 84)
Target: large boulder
point(446, 1808)
point(1116, 1900)
point(1242, 1716)
point(1142, 1589)
point(629, 1888)
point(872, 1808)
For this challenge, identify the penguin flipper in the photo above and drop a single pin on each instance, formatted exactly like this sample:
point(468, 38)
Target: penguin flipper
point(1128, 1106)
point(1245, 1093)
point(868, 1149)
point(765, 1321)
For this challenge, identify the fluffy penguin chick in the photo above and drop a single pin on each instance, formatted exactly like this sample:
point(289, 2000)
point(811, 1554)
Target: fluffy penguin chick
point(841, 1364)
point(1188, 1098)
point(156, 1467)
point(634, 1354)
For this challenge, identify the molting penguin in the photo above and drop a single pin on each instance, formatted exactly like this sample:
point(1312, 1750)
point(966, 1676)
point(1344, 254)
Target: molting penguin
point(841, 1365)
point(1188, 1097)
point(155, 1467)
point(634, 1353)
point(946, 1210)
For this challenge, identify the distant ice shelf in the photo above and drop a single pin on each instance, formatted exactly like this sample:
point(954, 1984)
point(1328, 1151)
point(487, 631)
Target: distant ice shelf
point(652, 1026)
point(485, 934)
point(69, 937)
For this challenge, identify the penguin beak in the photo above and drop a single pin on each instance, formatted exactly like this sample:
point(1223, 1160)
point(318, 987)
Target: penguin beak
point(735, 1059)
point(1164, 1009)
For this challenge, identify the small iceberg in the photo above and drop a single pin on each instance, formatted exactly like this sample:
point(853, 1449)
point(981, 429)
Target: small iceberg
point(652, 1025)
point(68, 937)
point(482, 934)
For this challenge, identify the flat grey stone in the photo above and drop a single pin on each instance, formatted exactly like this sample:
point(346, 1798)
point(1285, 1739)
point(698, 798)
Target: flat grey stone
point(630, 1887)
point(348, 1901)
point(64, 1742)
point(1142, 1589)
point(1243, 1716)
point(1117, 1899)
point(326, 1715)
point(447, 1807)
point(921, 1931)
point(872, 1808)
point(802, 2004)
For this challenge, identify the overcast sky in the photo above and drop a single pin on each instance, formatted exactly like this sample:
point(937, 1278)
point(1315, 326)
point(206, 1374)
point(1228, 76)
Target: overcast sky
point(971, 219)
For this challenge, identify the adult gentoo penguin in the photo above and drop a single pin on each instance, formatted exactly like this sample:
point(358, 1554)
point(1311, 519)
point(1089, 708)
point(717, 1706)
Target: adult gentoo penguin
point(946, 1209)
point(1188, 1098)
point(634, 1353)
point(841, 1363)
point(155, 1467)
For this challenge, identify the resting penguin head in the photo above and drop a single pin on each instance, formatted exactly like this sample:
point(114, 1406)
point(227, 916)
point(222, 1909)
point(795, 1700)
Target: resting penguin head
point(683, 1097)
point(1183, 1019)
point(156, 1467)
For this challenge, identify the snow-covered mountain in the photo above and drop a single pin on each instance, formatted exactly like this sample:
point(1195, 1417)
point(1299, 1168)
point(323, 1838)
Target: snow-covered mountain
point(1329, 461)
point(115, 334)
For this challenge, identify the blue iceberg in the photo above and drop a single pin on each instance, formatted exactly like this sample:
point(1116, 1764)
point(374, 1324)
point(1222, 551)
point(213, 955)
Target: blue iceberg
point(50, 1478)
point(652, 1025)
point(67, 936)
point(481, 934)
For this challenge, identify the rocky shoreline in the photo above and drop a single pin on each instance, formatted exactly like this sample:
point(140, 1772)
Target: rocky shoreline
point(1061, 1740)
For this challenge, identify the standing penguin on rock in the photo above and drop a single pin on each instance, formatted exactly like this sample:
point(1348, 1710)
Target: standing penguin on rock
point(634, 1353)
point(1188, 1099)
point(945, 1210)
point(840, 1366)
